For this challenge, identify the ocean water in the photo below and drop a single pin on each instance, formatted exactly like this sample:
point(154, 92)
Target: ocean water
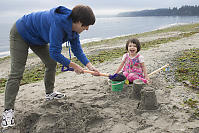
point(109, 27)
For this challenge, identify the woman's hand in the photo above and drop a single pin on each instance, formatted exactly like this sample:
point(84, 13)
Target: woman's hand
point(78, 69)
point(92, 68)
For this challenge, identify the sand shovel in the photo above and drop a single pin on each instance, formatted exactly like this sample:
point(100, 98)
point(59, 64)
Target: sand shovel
point(121, 77)
point(116, 77)
point(165, 68)
point(111, 77)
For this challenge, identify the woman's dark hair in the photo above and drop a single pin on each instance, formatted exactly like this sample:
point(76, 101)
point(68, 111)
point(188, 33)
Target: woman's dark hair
point(84, 14)
point(135, 41)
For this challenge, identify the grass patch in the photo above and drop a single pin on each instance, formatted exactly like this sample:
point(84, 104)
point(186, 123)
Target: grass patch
point(187, 67)
point(34, 74)
point(106, 55)
point(4, 58)
point(193, 105)
point(146, 45)
point(3, 82)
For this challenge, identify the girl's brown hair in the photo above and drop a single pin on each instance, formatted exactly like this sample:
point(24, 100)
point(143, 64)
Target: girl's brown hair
point(135, 41)
point(84, 14)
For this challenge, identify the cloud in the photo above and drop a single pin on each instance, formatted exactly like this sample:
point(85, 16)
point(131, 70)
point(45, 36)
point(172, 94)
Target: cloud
point(98, 6)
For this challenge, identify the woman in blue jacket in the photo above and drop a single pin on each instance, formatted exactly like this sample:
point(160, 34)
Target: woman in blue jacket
point(36, 31)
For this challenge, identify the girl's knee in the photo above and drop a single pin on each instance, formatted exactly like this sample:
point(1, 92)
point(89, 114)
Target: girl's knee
point(132, 76)
point(125, 74)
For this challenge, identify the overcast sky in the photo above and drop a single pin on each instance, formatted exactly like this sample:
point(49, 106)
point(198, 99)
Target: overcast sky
point(15, 8)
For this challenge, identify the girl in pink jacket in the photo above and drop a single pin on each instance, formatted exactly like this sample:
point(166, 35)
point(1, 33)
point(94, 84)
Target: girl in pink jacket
point(133, 63)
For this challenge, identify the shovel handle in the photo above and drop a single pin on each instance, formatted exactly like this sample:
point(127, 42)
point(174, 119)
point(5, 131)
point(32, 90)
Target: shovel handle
point(100, 74)
point(158, 70)
point(107, 75)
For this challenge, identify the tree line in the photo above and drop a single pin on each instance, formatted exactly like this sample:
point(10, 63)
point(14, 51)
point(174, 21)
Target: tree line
point(182, 11)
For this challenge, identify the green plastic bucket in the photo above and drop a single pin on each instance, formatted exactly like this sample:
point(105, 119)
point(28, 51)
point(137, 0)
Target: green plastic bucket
point(117, 85)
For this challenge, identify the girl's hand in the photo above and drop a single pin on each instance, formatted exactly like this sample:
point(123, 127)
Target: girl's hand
point(148, 80)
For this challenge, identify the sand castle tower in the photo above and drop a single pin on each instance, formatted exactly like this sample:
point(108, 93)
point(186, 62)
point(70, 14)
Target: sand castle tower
point(138, 85)
point(148, 99)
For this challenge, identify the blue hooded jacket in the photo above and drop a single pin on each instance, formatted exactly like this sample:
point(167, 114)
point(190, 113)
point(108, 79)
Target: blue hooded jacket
point(53, 27)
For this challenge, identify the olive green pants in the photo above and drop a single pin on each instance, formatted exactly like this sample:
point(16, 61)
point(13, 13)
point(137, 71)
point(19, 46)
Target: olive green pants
point(19, 53)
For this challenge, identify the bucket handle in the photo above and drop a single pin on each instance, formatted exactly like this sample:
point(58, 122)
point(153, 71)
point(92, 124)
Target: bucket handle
point(118, 83)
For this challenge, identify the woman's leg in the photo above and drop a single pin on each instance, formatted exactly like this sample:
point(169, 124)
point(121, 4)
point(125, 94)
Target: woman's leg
point(18, 54)
point(50, 64)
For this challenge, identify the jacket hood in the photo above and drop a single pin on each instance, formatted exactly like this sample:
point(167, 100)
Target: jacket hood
point(61, 16)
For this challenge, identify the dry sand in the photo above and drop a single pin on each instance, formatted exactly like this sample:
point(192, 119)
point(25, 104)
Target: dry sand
point(91, 106)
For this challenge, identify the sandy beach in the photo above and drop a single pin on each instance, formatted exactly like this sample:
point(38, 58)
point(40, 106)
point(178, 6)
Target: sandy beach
point(91, 106)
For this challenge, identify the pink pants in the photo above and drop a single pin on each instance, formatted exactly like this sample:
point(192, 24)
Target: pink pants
point(133, 76)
